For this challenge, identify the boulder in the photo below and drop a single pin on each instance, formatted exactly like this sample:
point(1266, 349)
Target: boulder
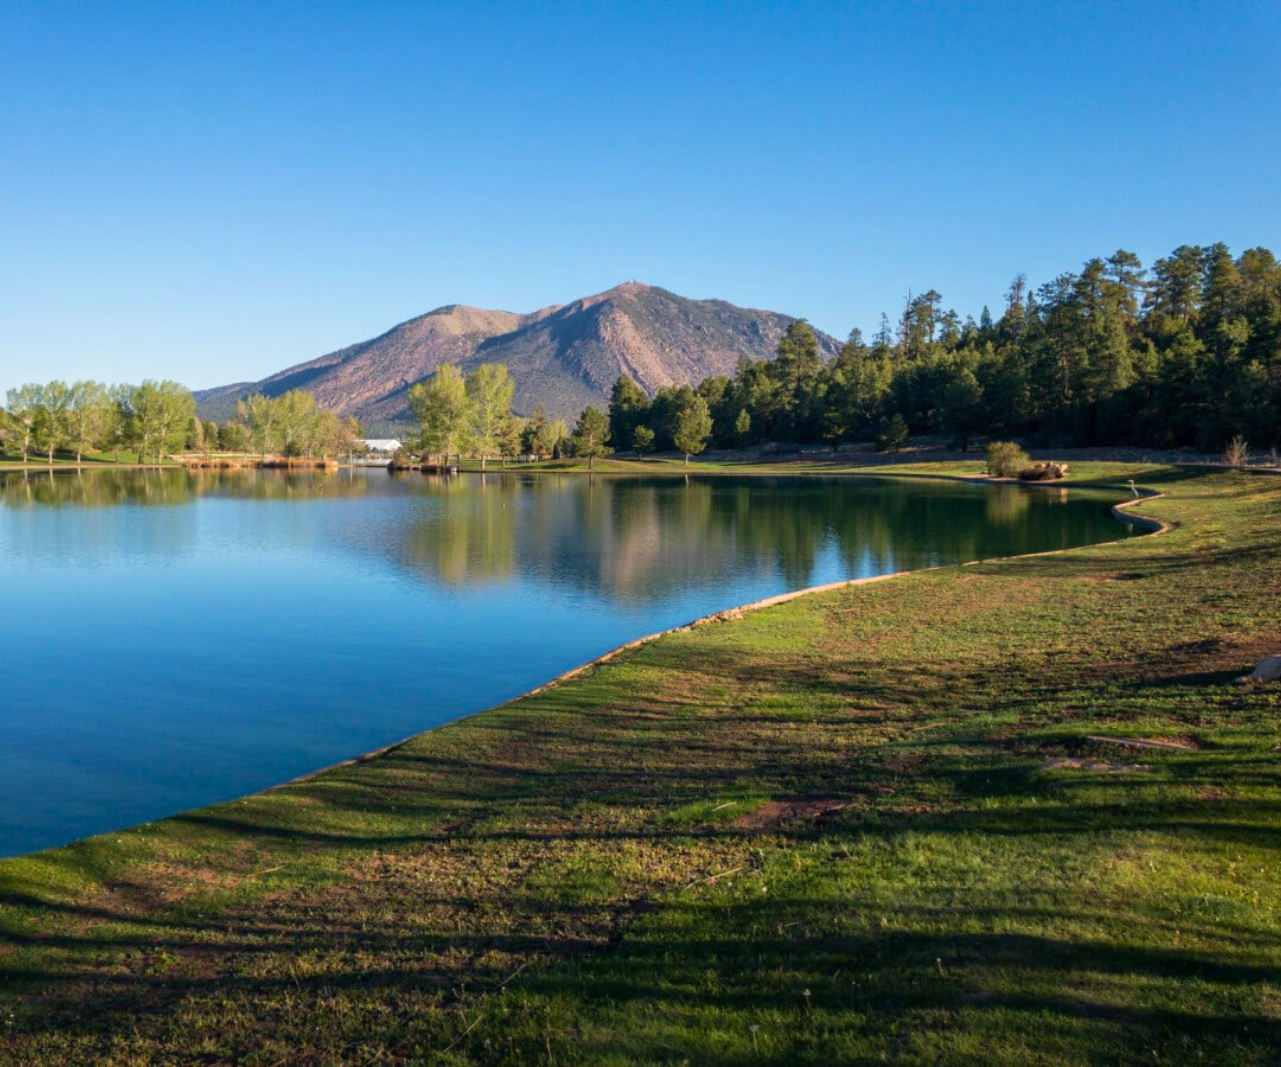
point(1267, 671)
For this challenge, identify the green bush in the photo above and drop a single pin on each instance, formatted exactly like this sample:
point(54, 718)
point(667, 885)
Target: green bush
point(891, 435)
point(1005, 459)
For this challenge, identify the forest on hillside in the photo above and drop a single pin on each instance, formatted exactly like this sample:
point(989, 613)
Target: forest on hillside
point(1187, 353)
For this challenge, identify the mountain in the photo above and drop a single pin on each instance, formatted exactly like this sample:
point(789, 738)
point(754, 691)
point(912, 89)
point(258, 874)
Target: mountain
point(564, 357)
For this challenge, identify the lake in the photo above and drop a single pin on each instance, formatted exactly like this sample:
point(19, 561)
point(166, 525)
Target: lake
point(171, 638)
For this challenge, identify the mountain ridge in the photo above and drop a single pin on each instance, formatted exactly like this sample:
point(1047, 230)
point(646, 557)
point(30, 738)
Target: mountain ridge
point(564, 356)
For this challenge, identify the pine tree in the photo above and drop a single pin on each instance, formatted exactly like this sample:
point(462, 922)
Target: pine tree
point(591, 435)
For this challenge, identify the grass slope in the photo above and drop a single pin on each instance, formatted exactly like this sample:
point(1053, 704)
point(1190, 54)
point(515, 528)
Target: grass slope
point(865, 824)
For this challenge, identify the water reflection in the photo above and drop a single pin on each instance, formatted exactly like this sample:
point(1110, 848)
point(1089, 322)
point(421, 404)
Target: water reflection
point(105, 487)
point(470, 540)
point(1006, 508)
point(236, 629)
point(636, 538)
point(94, 489)
point(620, 537)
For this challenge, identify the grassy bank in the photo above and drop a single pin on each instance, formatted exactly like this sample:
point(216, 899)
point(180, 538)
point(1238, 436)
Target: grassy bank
point(864, 824)
point(67, 461)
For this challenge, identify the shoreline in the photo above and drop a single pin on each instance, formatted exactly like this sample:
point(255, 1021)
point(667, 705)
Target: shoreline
point(927, 787)
point(1154, 527)
point(727, 614)
point(45, 468)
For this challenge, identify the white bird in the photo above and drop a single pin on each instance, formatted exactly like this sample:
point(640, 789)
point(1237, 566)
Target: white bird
point(1133, 489)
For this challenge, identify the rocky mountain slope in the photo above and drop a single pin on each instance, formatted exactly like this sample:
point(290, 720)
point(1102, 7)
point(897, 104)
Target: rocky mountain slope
point(563, 357)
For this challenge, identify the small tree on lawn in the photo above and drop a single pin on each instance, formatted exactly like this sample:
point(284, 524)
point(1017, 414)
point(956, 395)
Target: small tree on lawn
point(591, 435)
point(534, 437)
point(892, 434)
point(693, 428)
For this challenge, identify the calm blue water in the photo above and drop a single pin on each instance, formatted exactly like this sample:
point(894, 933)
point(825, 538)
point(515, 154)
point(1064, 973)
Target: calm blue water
point(174, 639)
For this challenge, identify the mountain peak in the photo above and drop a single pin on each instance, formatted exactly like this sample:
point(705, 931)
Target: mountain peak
point(628, 288)
point(564, 356)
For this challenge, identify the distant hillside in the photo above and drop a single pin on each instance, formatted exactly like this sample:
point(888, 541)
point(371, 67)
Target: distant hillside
point(562, 357)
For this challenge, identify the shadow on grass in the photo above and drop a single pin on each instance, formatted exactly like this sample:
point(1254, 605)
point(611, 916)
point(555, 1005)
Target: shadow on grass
point(536, 850)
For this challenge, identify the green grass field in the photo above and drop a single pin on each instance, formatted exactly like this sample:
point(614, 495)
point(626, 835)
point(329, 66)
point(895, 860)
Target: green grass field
point(62, 459)
point(867, 824)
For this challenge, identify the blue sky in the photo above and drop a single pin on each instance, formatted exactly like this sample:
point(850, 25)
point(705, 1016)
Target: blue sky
point(211, 192)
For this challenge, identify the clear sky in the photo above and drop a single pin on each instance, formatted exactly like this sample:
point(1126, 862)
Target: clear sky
point(213, 191)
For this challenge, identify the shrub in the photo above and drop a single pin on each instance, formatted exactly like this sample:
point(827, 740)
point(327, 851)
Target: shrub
point(1005, 459)
point(891, 435)
point(1237, 454)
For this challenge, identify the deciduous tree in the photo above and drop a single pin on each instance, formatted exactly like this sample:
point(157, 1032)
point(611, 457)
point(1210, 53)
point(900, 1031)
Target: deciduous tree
point(50, 428)
point(258, 414)
point(162, 410)
point(489, 391)
point(443, 410)
point(88, 415)
point(295, 420)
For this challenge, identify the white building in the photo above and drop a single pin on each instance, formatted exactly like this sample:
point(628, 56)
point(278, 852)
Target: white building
point(385, 446)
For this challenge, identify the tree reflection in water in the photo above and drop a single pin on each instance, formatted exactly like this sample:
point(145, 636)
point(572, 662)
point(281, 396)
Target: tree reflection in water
point(627, 538)
point(640, 538)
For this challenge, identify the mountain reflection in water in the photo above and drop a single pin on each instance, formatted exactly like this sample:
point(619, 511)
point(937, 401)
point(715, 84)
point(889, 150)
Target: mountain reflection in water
point(230, 630)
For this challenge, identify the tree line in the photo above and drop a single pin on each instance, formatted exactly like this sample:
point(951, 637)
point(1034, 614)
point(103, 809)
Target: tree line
point(1187, 353)
point(150, 419)
point(471, 414)
point(290, 425)
point(156, 419)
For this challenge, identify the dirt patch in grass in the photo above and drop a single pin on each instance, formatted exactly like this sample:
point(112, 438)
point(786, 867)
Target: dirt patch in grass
point(1072, 763)
point(776, 813)
point(1175, 744)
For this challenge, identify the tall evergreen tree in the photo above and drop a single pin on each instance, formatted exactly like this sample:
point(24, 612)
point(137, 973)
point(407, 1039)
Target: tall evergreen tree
point(591, 435)
point(628, 407)
point(693, 428)
point(535, 439)
point(796, 371)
